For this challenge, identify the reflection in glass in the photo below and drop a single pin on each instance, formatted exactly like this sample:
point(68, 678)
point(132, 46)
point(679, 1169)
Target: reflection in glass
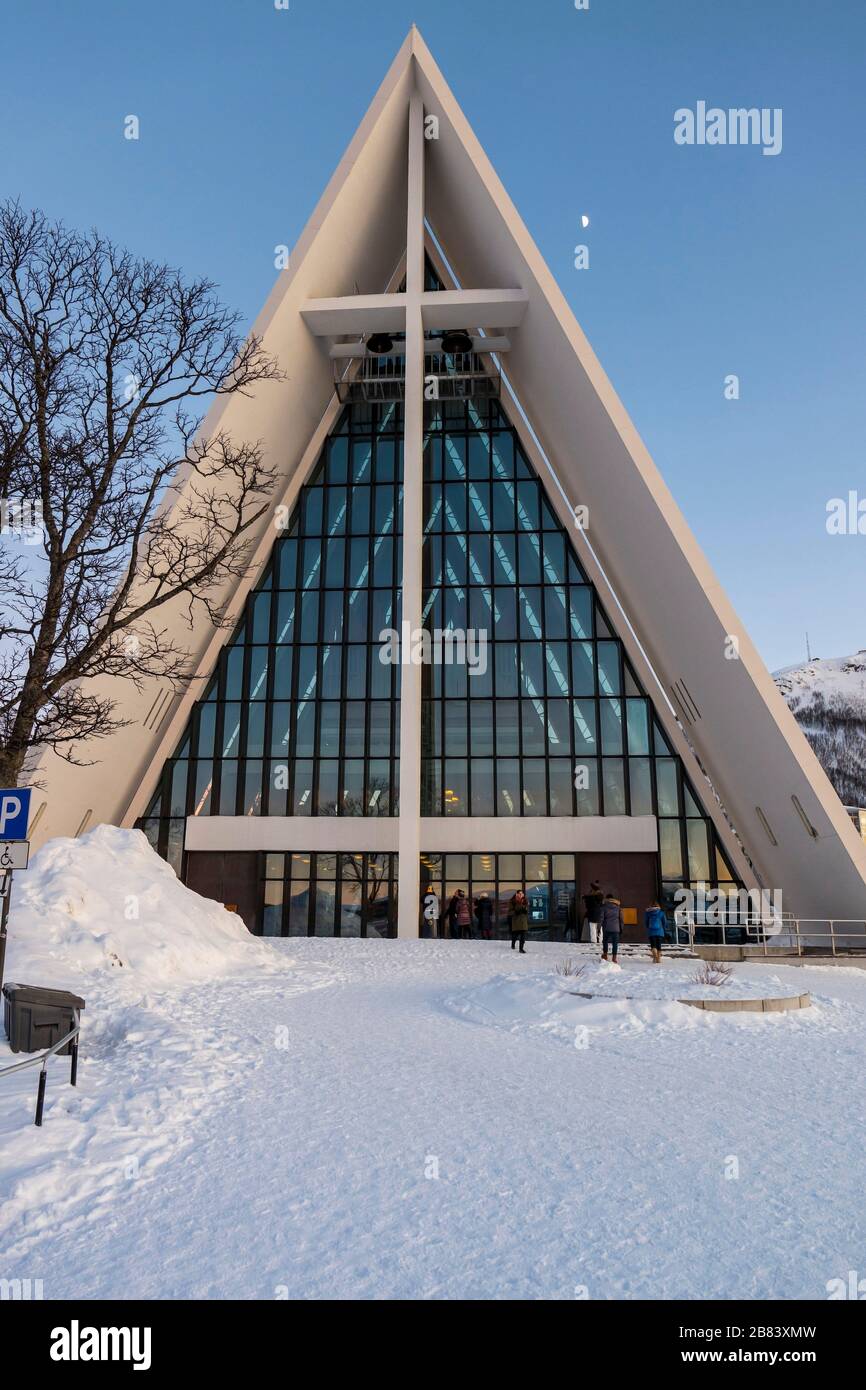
point(272, 915)
point(670, 849)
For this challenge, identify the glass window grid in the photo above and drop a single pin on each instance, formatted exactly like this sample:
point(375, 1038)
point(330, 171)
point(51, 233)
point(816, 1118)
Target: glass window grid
point(254, 774)
point(439, 488)
point(310, 869)
point(374, 424)
point(458, 476)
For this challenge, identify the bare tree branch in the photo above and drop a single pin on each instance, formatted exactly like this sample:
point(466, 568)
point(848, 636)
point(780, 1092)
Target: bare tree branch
point(101, 355)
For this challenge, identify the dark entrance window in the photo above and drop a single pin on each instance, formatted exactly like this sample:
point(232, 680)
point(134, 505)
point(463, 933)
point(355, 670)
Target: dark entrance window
point(322, 894)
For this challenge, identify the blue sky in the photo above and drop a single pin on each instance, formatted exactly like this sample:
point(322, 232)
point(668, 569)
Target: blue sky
point(704, 261)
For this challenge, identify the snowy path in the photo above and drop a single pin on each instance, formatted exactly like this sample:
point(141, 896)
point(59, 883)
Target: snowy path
point(305, 1170)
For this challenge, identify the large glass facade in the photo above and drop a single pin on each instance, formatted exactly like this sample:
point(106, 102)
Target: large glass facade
point(301, 718)
point(554, 722)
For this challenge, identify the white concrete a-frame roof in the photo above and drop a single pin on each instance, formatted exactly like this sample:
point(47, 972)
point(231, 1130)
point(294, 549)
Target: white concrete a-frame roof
point(722, 715)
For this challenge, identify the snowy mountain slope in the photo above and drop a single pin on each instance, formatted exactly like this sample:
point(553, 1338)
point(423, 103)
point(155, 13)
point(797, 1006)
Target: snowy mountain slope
point(828, 700)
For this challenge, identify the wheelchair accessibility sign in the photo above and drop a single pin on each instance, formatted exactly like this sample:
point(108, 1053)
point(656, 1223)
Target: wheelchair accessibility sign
point(14, 854)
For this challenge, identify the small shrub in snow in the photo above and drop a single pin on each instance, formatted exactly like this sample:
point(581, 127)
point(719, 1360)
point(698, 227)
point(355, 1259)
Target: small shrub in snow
point(713, 972)
point(569, 968)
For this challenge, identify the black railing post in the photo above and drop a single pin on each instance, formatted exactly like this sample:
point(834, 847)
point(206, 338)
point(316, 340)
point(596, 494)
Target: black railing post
point(40, 1097)
point(41, 1060)
point(73, 1070)
point(5, 899)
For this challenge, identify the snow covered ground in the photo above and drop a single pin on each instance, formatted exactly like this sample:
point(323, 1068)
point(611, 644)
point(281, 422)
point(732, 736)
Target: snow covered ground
point(386, 1119)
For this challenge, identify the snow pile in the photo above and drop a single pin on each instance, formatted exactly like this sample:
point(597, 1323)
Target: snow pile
point(671, 981)
point(626, 999)
point(541, 1004)
point(157, 966)
point(106, 904)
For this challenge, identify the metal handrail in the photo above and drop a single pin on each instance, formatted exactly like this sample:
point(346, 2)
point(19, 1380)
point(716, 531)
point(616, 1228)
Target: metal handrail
point(41, 1059)
point(787, 930)
point(823, 927)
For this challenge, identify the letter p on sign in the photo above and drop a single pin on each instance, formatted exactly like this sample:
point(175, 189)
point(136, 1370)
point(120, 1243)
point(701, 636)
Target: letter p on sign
point(14, 813)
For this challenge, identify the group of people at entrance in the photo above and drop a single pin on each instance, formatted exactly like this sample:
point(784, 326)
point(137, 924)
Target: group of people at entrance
point(460, 912)
point(603, 919)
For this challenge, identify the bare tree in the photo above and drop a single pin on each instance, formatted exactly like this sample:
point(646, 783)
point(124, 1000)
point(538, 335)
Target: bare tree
point(103, 357)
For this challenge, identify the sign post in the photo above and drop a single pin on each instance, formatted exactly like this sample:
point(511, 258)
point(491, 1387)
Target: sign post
point(14, 853)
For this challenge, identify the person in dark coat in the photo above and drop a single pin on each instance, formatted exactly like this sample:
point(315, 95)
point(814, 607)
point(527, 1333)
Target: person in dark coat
point(451, 915)
point(656, 923)
point(593, 901)
point(518, 920)
point(460, 915)
point(611, 924)
point(484, 917)
point(464, 915)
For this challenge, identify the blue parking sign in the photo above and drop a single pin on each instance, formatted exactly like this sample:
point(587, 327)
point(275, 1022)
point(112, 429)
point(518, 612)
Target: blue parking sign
point(14, 813)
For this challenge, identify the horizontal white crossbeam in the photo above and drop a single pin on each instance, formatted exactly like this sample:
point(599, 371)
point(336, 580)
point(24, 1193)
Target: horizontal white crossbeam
point(439, 834)
point(473, 308)
point(356, 313)
point(385, 313)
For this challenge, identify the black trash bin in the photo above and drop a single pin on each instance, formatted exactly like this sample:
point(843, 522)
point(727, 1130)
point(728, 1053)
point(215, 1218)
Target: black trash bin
point(35, 1018)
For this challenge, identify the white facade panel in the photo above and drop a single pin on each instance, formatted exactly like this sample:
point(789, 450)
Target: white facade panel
point(439, 835)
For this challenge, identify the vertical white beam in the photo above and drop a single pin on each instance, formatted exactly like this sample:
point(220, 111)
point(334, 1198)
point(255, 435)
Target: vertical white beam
point(409, 837)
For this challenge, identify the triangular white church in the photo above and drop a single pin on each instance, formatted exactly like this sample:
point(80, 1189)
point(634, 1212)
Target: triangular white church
point(442, 416)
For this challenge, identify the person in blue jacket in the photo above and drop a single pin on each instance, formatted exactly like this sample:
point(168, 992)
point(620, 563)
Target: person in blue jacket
point(656, 926)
